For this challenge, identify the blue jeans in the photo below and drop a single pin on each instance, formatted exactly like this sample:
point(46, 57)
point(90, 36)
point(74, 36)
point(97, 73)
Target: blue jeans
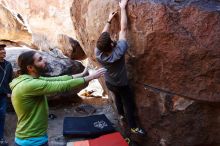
point(3, 106)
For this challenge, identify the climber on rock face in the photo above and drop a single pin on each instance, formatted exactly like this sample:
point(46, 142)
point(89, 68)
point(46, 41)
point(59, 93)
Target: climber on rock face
point(110, 55)
point(29, 100)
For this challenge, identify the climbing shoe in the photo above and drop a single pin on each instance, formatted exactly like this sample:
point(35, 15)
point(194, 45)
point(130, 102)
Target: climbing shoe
point(138, 131)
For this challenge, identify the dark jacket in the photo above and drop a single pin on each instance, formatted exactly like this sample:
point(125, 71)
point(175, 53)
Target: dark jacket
point(6, 73)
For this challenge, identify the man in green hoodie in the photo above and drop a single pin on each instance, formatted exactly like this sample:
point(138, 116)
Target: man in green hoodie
point(29, 101)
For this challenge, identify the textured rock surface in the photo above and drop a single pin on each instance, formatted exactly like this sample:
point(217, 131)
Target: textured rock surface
point(12, 29)
point(175, 46)
point(48, 17)
point(178, 44)
point(70, 47)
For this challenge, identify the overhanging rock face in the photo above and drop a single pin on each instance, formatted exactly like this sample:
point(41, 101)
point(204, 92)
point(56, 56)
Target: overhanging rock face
point(174, 45)
point(12, 28)
point(48, 17)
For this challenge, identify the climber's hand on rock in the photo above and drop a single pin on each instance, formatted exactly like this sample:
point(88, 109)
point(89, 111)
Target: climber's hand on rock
point(111, 15)
point(123, 3)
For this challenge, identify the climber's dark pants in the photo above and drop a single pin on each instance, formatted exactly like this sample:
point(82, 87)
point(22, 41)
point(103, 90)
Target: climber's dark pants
point(124, 99)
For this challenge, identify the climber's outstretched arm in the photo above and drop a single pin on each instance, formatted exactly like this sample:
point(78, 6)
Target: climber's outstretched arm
point(107, 25)
point(124, 21)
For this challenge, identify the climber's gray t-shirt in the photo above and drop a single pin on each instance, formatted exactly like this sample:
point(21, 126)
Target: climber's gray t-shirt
point(115, 64)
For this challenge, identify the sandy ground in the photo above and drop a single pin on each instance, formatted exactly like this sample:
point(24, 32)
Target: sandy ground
point(102, 106)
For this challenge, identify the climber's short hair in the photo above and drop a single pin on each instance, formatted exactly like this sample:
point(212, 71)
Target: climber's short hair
point(104, 42)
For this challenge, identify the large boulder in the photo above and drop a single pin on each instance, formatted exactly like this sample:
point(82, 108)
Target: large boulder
point(177, 43)
point(48, 18)
point(174, 46)
point(70, 47)
point(12, 29)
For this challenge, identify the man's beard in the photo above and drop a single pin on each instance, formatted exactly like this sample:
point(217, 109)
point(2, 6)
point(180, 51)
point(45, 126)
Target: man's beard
point(42, 70)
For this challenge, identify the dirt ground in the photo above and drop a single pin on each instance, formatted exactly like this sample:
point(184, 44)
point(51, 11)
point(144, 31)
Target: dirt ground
point(61, 110)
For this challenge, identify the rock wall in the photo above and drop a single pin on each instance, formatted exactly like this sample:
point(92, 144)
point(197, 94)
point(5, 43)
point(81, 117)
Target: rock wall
point(42, 25)
point(48, 17)
point(11, 27)
point(174, 46)
point(70, 47)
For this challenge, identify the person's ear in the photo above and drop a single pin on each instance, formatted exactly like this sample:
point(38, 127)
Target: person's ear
point(30, 68)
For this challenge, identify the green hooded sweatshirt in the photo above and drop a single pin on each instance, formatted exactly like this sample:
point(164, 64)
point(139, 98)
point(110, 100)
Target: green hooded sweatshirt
point(30, 103)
